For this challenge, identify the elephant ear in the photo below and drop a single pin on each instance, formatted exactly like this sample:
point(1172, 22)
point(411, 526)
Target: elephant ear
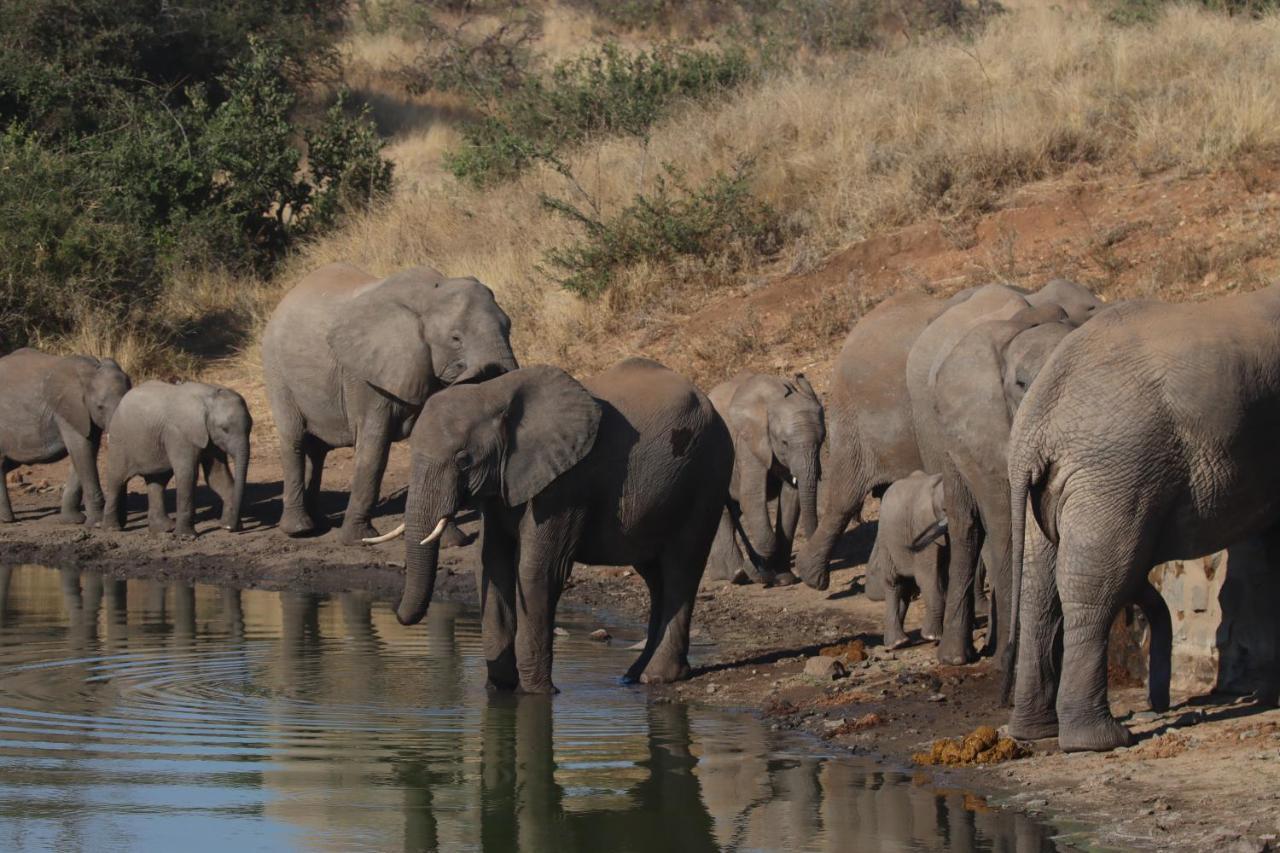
point(191, 418)
point(805, 388)
point(749, 420)
point(381, 340)
point(65, 387)
point(936, 506)
point(551, 425)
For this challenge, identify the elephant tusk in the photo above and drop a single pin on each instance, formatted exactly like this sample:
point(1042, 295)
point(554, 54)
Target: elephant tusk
point(435, 534)
point(795, 481)
point(386, 537)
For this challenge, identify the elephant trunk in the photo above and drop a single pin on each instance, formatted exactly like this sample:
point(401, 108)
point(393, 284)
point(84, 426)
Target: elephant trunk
point(241, 474)
point(427, 506)
point(807, 486)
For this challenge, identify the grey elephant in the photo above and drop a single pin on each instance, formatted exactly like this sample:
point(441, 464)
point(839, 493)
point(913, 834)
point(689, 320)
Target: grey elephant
point(161, 431)
point(1148, 436)
point(349, 359)
point(630, 467)
point(929, 353)
point(54, 406)
point(910, 553)
point(778, 428)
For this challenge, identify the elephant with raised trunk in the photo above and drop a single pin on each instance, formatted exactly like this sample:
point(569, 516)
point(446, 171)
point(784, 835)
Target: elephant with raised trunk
point(630, 467)
point(349, 360)
point(1149, 436)
point(161, 431)
point(54, 406)
point(777, 427)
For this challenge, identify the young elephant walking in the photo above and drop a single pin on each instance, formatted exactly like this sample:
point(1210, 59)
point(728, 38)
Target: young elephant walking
point(161, 431)
point(778, 428)
point(630, 467)
point(53, 406)
point(911, 553)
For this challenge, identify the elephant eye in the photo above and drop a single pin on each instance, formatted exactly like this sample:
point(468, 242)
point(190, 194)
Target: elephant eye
point(456, 339)
point(462, 460)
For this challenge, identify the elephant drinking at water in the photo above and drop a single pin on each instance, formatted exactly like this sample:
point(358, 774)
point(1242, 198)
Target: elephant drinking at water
point(350, 359)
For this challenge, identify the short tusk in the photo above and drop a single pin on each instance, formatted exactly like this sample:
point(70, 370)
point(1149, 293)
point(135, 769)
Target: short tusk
point(435, 534)
point(386, 537)
point(795, 481)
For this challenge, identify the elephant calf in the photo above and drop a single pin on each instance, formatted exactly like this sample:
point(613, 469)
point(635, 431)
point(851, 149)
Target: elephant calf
point(53, 406)
point(778, 428)
point(162, 430)
point(911, 553)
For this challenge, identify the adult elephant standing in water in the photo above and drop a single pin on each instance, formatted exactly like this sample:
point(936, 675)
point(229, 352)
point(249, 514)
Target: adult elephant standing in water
point(629, 468)
point(350, 359)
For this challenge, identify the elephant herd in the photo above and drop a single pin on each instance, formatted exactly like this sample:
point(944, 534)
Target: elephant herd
point(1057, 445)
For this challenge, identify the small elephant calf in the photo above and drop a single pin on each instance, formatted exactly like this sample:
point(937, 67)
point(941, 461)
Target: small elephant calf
point(161, 430)
point(910, 552)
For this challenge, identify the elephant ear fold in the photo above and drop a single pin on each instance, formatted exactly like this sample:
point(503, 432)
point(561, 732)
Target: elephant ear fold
point(64, 388)
point(938, 496)
point(381, 341)
point(805, 388)
point(551, 425)
point(191, 417)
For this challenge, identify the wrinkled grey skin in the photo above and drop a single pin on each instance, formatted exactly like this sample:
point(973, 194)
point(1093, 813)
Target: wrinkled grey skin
point(349, 360)
point(1148, 436)
point(910, 553)
point(161, 431)
point(628, 468)
point(777, 427)
point(871, 440)
point(993, 302)
point(54, 406)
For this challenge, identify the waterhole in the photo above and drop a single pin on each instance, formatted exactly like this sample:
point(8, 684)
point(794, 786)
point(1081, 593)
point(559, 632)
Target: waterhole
point(148, 716)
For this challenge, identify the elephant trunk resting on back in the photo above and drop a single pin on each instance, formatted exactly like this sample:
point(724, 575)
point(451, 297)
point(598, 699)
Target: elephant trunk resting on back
point(778, 428)
point(629, 468)
point(349, 360)
point(54, 406)
point(1149, 436)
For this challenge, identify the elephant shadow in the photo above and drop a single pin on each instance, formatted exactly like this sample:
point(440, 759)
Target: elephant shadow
point(853, 548)
point(869, 639)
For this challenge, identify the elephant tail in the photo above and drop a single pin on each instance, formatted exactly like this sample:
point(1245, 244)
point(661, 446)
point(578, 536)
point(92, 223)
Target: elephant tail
point(1027, 466)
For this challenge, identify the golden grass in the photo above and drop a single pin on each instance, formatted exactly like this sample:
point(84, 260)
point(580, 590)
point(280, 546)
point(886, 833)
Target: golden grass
point(940, 127)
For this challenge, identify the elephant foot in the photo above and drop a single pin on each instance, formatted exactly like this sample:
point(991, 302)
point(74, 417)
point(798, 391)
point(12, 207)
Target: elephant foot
point(356, 532)
point(660, 672)
point(231, 526)
point(785, 579)
point(1033, 728)
point(1267, 697)
point(948, 655)
point(453, 537)
point(931, 636)
point(297, 522)
point(1101, 736)
point(160, 525)
point(538, 689)
point(896, 642)
point(7, 517)
point(184, 531)
point(112, 523)
point(73, 516)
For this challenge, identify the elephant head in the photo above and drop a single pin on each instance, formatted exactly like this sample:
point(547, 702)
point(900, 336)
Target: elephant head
point(84, 392)
point(222, 420)
point(778, 429)
point(505, 439)
point(1029, 338)
point(1076, 300)
point(416, 331)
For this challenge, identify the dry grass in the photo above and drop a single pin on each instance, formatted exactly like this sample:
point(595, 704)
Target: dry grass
point(938, 128)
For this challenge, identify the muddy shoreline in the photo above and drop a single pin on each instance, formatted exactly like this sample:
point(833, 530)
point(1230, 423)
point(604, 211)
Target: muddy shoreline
point(1164, 793)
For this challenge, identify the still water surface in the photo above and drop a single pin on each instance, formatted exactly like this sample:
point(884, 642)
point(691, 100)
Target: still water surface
point(146, 716)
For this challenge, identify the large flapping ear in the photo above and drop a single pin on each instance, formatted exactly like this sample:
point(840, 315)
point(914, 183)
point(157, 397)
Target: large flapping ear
point(65, 389)
point(551, 423)
point(381, 340)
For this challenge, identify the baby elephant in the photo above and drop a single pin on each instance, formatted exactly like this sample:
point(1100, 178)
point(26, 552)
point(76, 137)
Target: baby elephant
point(910, 553)
point(162, 430)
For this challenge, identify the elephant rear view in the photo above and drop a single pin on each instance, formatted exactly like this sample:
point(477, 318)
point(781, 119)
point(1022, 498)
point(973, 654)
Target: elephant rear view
point(162, 430)
point(629, 468)
point(54, 406)
point(349, 359)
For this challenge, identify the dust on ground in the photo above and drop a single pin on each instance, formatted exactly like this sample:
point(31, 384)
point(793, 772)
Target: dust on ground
point(1204, 775)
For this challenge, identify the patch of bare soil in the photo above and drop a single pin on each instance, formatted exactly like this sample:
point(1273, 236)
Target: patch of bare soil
point(1204, 775)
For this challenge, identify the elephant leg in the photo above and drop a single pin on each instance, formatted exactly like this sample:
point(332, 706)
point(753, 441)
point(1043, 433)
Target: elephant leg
point(964, 535)
point(1039, 649)
point(185, 470)
point(544, 560)
point(848, 482)
point(788, 521)
point(725, 562)
point(997, 559)
point(651, 571)
point(72, 494)
point(316, 453)
point(113, 510)
point(894, 612)
point(373, 444)
point(1160, 664)
point(84, 476)
point(6, 509)
point(218, 475)
point(935, 597)
point(683, 559)
point(158, 520)
point(496, 580)
point(295, 519)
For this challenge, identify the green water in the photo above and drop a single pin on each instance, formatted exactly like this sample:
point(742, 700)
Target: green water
point(145, 716)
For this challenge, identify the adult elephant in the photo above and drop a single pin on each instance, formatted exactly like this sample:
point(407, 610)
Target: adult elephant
point(629, 468)
point(349, 360)
point(871, 440)
point(993, 302)
point(1148, 436)
point(778, 428)
point(54, 406)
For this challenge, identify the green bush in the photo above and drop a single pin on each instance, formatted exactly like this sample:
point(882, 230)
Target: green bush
point(718, 221)
point(605, 91)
